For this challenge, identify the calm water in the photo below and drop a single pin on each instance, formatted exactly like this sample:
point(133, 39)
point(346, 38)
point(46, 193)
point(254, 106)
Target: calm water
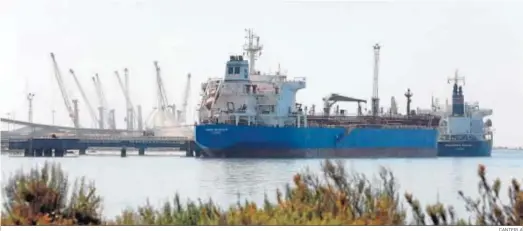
point(126, 182)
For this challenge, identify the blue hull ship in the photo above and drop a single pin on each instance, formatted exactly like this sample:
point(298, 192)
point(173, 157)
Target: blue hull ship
point(465, 149)
point(247, 114)
point(463, 132)
point(231, 141)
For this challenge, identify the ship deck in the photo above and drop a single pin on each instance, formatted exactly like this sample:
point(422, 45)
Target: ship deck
point(379, 121)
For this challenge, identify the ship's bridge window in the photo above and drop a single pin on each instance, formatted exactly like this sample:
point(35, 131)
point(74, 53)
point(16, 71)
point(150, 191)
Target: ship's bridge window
point(230, 71)
point(236, 70)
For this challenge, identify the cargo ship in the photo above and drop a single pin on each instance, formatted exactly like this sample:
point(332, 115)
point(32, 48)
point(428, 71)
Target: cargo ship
point(464, 132)
point(247, 114)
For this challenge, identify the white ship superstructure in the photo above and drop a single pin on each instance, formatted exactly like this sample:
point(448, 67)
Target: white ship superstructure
point(246, 96)
point(468, 123)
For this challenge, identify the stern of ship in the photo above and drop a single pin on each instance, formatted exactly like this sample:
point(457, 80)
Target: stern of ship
point(480, 148)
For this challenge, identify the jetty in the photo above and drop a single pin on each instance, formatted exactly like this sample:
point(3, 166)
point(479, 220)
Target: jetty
point(58, 147)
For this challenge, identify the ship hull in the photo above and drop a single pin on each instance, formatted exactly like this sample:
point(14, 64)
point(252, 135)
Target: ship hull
point(477, 148)
point(227, 141)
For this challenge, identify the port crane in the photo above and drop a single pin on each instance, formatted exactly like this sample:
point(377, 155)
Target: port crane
point(164, 113)
point(125, 90)
point(104, 117)
point(72, 110)
point(92, 113)
point(163, 102)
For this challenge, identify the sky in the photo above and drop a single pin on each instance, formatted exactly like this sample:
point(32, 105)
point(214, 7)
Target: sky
point(328, 42)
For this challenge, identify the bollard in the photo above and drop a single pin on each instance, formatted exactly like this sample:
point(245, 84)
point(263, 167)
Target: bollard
point(141, 151)
point(82, 151)
point(123, 152)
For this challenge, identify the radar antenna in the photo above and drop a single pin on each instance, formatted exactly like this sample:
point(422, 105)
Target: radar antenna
point(456, 78)
point(252, 49)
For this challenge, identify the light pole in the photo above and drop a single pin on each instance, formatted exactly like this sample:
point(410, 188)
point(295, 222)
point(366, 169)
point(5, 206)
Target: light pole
point(30, 97)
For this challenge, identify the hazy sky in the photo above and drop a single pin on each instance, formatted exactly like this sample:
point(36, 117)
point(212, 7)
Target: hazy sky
point(330, 43)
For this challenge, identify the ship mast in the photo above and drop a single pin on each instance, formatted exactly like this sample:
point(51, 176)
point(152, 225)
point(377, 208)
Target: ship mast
point(375, 97)
point(458, 101)
point(252, 49)
point(456, 78)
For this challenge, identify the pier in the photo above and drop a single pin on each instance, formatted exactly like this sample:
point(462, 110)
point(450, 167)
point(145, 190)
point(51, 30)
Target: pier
point(58, 147)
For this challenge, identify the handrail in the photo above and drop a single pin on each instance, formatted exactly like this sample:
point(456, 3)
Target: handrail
point(145, 138)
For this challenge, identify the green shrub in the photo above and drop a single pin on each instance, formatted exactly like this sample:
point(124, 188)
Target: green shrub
point(40, 198)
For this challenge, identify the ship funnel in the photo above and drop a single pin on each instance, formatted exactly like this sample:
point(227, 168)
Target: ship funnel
point(458, 99)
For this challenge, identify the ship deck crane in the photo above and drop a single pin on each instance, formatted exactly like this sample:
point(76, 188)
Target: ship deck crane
point(85, 98)
point(331, 99)
point(65, 96)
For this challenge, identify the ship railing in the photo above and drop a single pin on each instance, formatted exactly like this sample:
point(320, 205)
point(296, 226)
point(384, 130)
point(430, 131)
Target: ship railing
point(363, 119)
point(290, 123)
point(464, 137)
point(297, 80)
point(381, 116)
point(388, 126)
point(214, 79)
point(116, 138)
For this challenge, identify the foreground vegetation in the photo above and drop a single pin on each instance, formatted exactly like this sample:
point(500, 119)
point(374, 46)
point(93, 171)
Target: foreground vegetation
point(44, 196)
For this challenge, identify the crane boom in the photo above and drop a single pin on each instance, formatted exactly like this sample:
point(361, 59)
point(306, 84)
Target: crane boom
point(104, 116)
point(101, 109)
point(84, 96)
point(65, 95)
point(98, 93)
point(185, 99)
point(163, 102)
point(130, 108)
point(125, 91)
point(128, 102)
point(101, 93)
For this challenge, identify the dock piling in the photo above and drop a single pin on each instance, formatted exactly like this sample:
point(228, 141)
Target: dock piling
point(48, 152)
point(38, 152)
point(59, 152)
point(123, 152)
